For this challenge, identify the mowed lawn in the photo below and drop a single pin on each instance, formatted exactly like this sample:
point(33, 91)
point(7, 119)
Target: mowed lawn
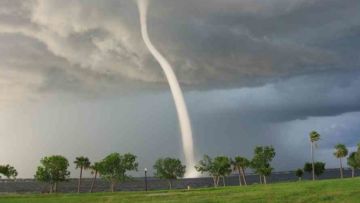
point(347, 190)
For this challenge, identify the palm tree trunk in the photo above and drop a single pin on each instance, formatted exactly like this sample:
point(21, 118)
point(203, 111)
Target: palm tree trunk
point(169, 184)
point(243, 175)
point(239, 176)
point(51, 188)
point(55, 187)
point(264, 180)
point(223, 178)
point(93, 182)
point(260, 179)
point(112, 186)
point(214, 180)
point(79, 182)
point(312, 158)
point(217, 180)
point(341, 169)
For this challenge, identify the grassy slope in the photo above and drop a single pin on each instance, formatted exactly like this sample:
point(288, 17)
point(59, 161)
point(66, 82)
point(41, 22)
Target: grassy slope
point(347, 190)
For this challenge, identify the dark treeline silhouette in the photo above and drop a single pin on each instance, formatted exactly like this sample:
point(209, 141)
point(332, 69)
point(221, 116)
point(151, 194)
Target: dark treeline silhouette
point(114, 168)
point(8, 171)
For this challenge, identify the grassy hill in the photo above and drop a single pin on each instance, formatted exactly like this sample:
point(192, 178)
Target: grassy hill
point(347, 190)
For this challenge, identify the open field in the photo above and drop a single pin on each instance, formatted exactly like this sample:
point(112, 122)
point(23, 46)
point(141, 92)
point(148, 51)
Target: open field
point(347, 190)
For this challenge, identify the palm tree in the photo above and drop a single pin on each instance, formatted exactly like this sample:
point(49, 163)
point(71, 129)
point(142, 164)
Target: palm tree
point(314, 137)
point(83, 163)
point(351, 161)
point(340, 152)
point(240, 164)
point(95, 168)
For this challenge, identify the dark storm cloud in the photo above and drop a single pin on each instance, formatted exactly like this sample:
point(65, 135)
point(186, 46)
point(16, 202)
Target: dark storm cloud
point(212, 44)
point(321, 94)
point(257, 39)
point(255, 72)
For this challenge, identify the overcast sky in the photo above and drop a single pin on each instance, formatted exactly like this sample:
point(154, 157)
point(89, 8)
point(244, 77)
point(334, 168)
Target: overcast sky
point(77, 79)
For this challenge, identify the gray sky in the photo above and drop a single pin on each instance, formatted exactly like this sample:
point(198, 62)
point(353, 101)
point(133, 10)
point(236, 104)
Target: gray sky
point(76, 78)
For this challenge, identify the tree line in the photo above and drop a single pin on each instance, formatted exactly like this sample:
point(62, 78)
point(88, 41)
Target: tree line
point(340, 152)
point(114, 167)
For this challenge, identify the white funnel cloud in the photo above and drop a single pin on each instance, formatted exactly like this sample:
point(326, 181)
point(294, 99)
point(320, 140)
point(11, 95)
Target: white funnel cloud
point(184, 120)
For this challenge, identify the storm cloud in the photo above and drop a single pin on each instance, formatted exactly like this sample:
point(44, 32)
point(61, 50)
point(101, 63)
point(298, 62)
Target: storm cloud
point(254, 72)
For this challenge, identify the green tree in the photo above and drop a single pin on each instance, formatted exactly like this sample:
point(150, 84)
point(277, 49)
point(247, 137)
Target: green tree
point(206, 165)
point(299, 173)
point(114, 167)
point(260, 163)
point(240, 164)
point(82, 163)
point(340, 152)
point(95, 168)
point(266, 171)
point(314, 137)
point(169, 169)
point(8, 171)
point(53, 169)
point(219, 167)
point(351, 161)
point(319, 168)
point(223, 165)
point(357, 156)
point(308, 167)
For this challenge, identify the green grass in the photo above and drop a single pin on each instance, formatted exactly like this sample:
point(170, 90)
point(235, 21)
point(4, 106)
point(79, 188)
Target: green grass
point(347, 190)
